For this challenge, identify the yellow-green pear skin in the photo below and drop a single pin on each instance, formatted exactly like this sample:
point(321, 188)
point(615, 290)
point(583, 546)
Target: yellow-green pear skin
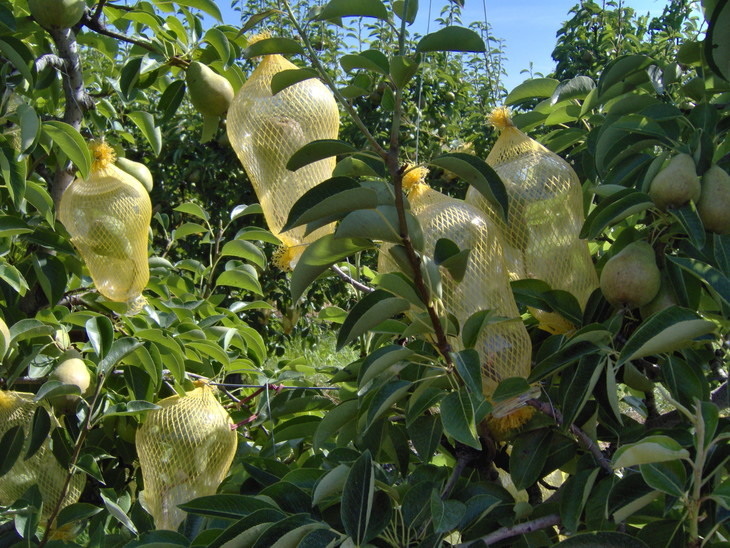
point(60, 14)
point(631, 278)
point(210, 93)
point(714, 203)
point(70, 371)
point(676, 184)
point(664, 299)
point(137, 170)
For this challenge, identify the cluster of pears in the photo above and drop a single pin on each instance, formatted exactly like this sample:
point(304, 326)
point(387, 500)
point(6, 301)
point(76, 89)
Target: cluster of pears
point(678, 183)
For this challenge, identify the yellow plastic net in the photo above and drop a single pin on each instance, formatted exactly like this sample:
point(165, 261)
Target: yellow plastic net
point(545, 216)
point(16, 409)
point(504, 347)
point(108, 217)
point(185, 449)
point(265, 130)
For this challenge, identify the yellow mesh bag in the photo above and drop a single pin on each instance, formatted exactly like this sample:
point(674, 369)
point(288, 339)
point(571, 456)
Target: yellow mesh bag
point(265, 130)
point(504, 348)
point(108, 217)
point(185, 449)
point(545, 216)
point(16, 409)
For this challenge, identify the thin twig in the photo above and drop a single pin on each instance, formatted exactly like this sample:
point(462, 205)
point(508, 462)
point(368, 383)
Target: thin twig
point(520, 529)
point(95, 24)
point(352, 281)
point(583, 438)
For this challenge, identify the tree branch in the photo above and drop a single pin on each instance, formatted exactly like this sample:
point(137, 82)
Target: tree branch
point(95, 24)
point(350, 280)
point(49, 60)
point(520, 529)
point(583, 438)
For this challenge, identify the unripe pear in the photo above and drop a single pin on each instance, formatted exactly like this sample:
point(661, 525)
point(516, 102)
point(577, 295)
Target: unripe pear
point(664, 299)
point(631, 277)
point(60, 14)
point(71, 371)
point(210, 93)
point(676, 184)
point(714, 204)
point(137, 170)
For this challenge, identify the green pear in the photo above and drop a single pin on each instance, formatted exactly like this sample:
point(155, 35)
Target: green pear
point(631, 277)
point(71, 371)
point(137, 170)
point(714, 204)
point(676, 184)
point(57, 13)
point(664, 299)
point(210, 93)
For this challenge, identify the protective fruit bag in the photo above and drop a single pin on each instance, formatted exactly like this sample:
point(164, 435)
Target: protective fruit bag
point(185, 449)
point(504, 347)
point(545, 216)
point(108, 217)
point(265, 130)
point(16, 409)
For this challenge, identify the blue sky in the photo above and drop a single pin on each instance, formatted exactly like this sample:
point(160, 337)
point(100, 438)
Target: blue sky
point(528, 27)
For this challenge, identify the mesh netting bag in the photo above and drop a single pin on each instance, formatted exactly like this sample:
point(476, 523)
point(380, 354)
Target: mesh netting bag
point(16, 409)
point(185, 449)
point(504, 347)
point(108, 217)
point(545, 217)
point(265, 130)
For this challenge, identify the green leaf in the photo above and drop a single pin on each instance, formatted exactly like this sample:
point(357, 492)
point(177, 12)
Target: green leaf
point(12, 444)
point(19, 56)
point(286, 78)
point(425, 434)
point(331, 484)
point(220, 43)
point(446, 514)
point(575, 88)
point(357, 498)
point(100, 332)
point(530, 89)
point(457, 416)
point(575, 495)
point(528, 457)
point(474, 325)
point(117, 512)
point(333, 421)
point(578, 387)
point(373, 309)
point(240, 279)
point(716, 43)
point(619, 69)
point(257, 18)
point(186, 229)
point(318, 150)
point(707, 274)
point(380, 223)
point(651, 449)
point(52, 277)
point(319, 256)
point(412, 10)
point(146, 124)
point(721, 494)
point(666, 331)
point(171, 99)
point(381, 360)
point(336, 9)
point(50, 389)
point(120, 349)
point(227, 506)
point(451, 38)
point(244, 250)
point(448, 255)
point(331, 199)
point(206, 6)
point(191, 208)
point(668, 477)
point(30, 127)
point(40, 428)
point(371, 60)
point(691, 223)
point(613, 209)
point(602, 539)
point(509, 388)
point(402, 69)
point(478, 174)
point(468, 365)
point(13, 171)
point(77, 511)
point(70, 141)
point(270, 46)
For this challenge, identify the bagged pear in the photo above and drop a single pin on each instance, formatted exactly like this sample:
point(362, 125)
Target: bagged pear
point(185, 449)
point(108, 217)
point(504, 348)
point(541, 238)
point(16, 409)
point(265, 130)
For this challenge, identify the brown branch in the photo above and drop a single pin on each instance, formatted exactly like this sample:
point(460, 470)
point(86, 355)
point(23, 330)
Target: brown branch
point(583, 438)
point(95, 24)
point(520, 529)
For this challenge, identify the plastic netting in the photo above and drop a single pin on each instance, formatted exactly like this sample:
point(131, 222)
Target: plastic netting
point(265, 130)
point(545, 215)
point(16, 409)
point(185, 449)
point(504, 347)
point(108, 217)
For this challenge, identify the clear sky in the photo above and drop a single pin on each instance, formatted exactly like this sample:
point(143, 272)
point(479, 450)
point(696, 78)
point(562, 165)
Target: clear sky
point(528, 27)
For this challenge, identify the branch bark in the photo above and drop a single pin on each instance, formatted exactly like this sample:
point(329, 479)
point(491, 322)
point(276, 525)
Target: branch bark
point(520, 529)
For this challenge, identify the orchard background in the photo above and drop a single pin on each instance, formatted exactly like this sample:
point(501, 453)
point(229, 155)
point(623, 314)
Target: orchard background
point(357, 426)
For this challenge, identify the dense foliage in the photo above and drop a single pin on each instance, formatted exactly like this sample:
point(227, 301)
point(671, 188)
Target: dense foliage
point(387, 440)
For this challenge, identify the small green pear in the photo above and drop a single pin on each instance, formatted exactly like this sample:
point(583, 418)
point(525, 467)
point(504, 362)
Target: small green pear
point(714, 204)
point(137, 170)
point(210, 93)
point(676, 184)
point(631, 277)
point(60, 14)
point(70, 371)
